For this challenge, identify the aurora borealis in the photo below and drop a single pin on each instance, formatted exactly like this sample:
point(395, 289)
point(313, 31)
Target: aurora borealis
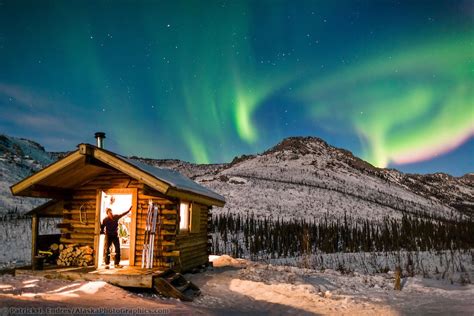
point(205, 81)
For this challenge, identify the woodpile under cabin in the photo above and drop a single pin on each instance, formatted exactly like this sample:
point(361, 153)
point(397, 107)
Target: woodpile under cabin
point(83, 184)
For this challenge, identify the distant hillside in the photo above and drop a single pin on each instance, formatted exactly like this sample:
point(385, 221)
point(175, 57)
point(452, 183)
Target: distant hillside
point(306, 177)
point(301, 177)
point(18, 159)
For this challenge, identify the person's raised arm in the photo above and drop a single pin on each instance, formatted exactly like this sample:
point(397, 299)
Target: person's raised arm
point(125, 213)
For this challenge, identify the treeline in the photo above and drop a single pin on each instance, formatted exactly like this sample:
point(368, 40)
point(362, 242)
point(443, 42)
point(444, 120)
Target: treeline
point(12, 216)
point(248, 236)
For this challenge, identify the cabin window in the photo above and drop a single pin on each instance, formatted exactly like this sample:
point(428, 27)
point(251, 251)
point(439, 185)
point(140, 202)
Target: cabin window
point(189, 217)
point(184, 216)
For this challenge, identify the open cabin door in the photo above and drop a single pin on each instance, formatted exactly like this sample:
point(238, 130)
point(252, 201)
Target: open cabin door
point(119, 200)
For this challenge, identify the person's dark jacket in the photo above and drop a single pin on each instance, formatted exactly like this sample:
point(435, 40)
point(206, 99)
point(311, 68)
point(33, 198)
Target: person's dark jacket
point(111, 224)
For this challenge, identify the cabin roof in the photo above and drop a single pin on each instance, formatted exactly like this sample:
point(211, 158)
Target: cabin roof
point(60, 178)
point(51, 208)
point(175, 179)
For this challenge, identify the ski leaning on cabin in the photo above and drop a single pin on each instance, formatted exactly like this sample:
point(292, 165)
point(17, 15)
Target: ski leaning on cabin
point(150, 230)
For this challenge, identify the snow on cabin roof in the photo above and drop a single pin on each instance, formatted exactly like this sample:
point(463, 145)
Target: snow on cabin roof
point(174, 179)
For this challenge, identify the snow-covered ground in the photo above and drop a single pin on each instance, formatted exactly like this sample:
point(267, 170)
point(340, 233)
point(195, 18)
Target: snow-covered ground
point(247, 287)
point(237, 287)
point(30, 295)
point(15, 240)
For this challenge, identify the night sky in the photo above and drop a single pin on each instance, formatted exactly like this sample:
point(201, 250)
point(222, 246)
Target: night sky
point(204, 81)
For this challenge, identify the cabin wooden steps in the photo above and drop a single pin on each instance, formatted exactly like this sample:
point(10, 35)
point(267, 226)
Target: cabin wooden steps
point(173, 284)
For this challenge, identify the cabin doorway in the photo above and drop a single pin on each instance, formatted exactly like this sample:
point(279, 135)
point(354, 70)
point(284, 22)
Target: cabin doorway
point(119, 201)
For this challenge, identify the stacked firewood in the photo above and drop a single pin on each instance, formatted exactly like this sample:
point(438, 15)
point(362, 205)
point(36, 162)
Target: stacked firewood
point(75, 255)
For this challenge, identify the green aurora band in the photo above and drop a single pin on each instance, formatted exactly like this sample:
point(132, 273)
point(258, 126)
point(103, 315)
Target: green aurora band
point(408, 106)
point(219, 87)
point(405, 106)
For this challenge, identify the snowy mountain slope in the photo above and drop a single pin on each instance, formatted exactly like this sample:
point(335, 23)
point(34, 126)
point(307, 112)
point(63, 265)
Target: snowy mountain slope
point(19, 158)
point(305, 177)
point(452, 191)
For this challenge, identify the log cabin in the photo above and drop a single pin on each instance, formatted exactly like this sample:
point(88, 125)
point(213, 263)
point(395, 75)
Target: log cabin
point(83, 184)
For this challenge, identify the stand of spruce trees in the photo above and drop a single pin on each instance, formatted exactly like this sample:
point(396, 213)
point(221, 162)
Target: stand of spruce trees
point(249, 236)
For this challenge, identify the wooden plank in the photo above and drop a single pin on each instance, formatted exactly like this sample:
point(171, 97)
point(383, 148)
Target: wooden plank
point(168, 222)
point(123, 182)
point(195, 221)
point(77, 222)
point(174, 253)
point(97, 228)
point(158, 248)
point(141, 227)
point(77, 212)
point(38, 190)
point(34, 237)
point(74, 225)
point(139, 280)
point(186, 251)
point(162, 286)
point(195, 259)
point(167, 243)
point(82, 230)
point(190, 240)
point(127, 277)
point(85, 236)
point(193, 254)
point(139, 247)
point(133, 227)
point(51, 208)
point(169, 212)
point(148, 193)
point(23, 185)
point(130, 170)
point(198, 257)
point(159, 243)
point(84, 194)
point(165, 233)
point(192, 243)
point(76, 241)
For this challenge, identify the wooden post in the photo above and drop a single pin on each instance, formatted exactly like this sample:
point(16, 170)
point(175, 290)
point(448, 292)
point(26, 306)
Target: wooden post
point(98, 199)
point(133, 227)
point(398, 275)
point(34, 237)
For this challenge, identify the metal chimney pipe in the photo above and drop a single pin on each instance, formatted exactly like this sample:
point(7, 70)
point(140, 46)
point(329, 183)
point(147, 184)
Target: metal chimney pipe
point(100, 139)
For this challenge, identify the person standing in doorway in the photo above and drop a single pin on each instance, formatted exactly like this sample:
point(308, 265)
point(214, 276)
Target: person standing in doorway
point(110, 223)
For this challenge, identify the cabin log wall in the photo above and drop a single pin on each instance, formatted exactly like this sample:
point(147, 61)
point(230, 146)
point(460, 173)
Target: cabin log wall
point(165, 235)
point(73, 231)
point(193, 247)
point(182, 251)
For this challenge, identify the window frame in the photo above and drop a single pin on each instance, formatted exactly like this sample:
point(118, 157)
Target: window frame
point(186, 230)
